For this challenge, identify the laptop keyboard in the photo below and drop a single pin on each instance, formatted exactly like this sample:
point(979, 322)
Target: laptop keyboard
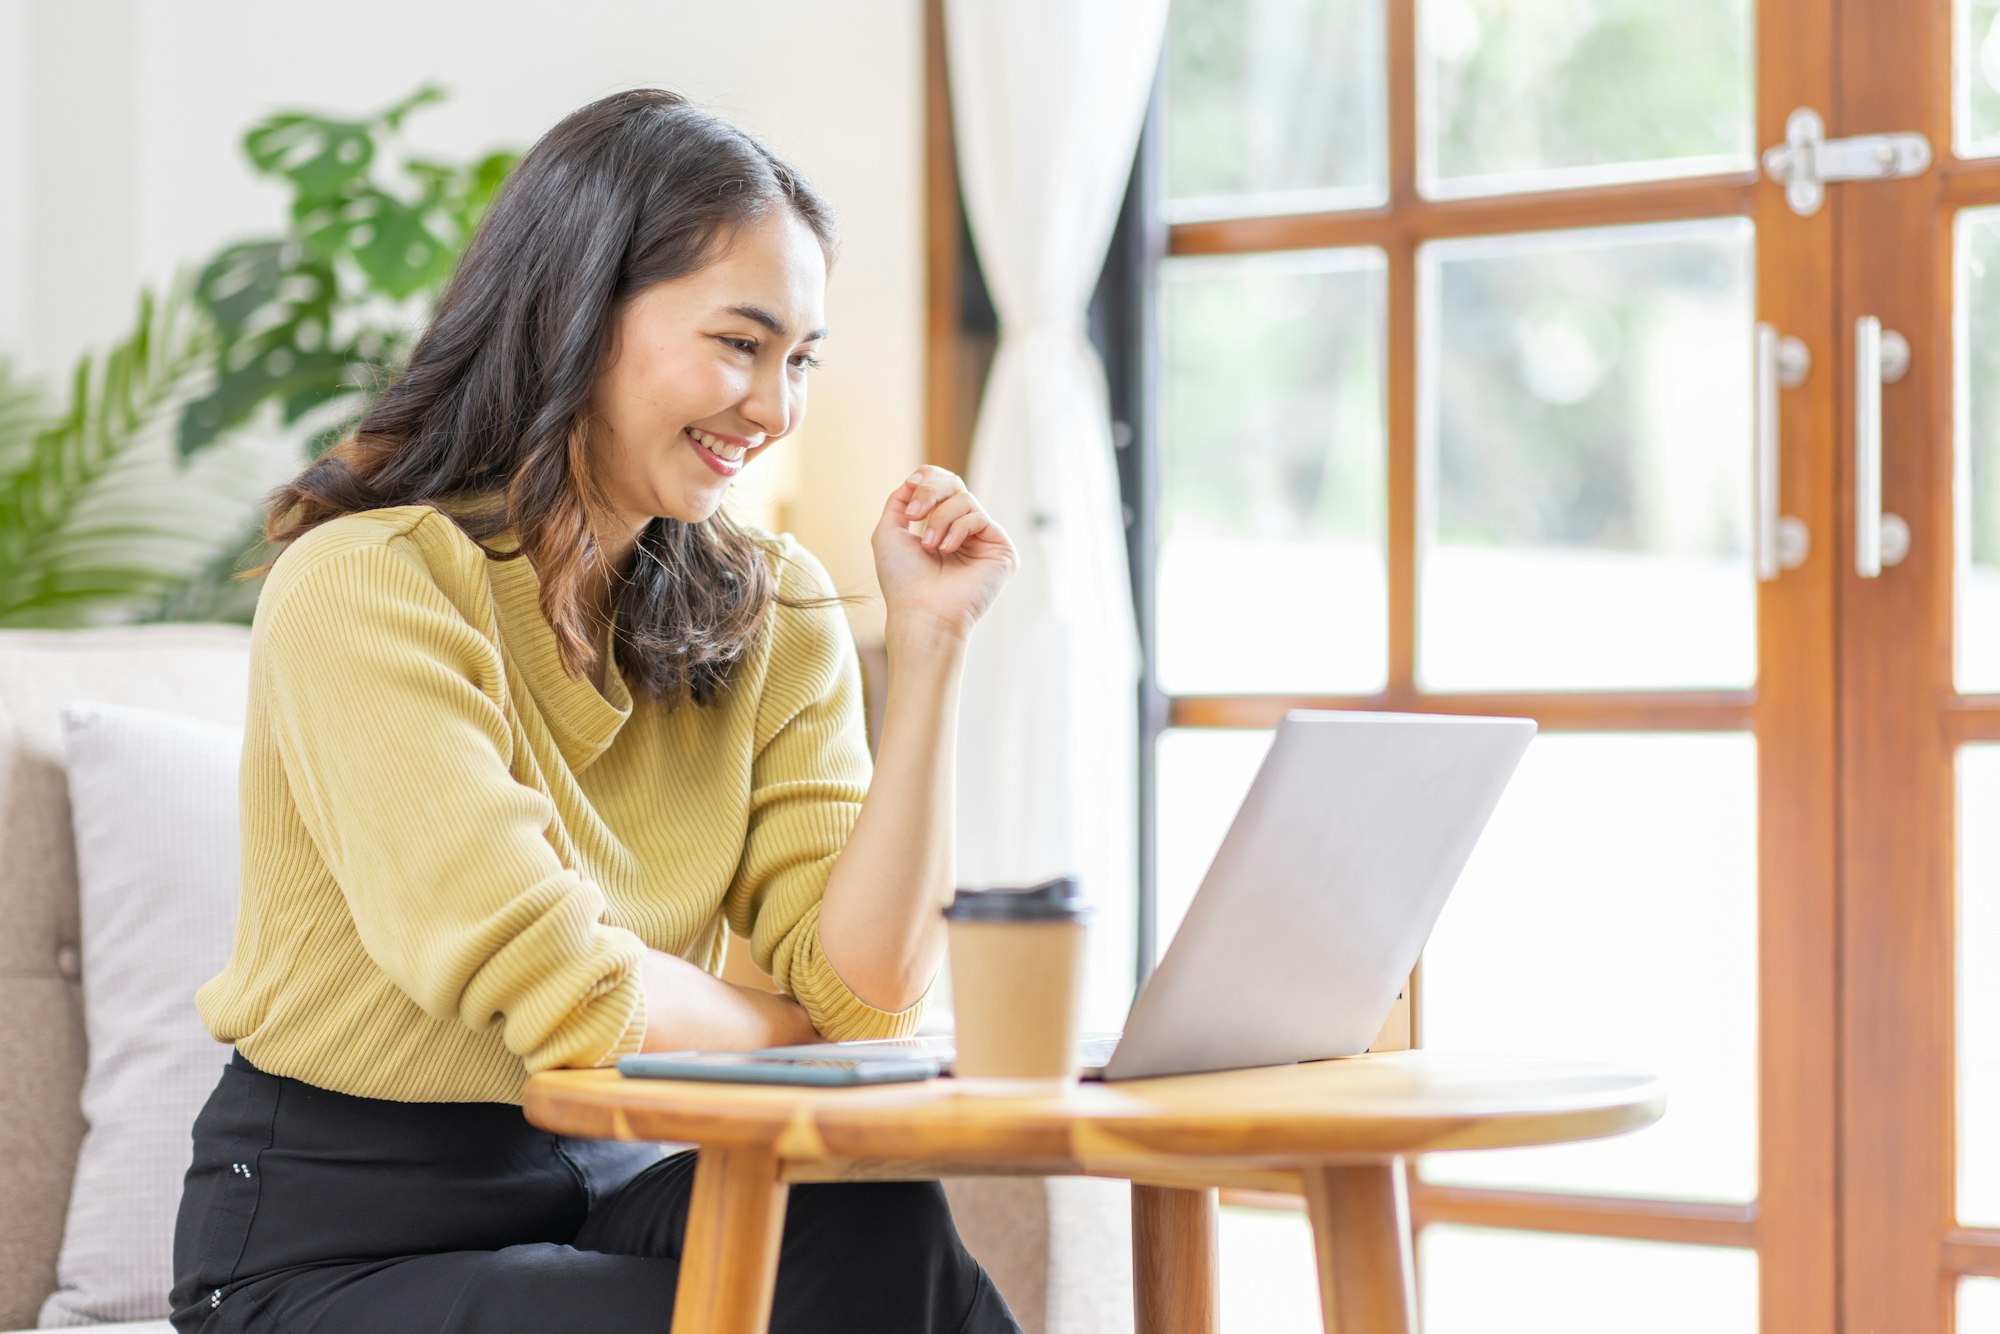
point(1093, 1049)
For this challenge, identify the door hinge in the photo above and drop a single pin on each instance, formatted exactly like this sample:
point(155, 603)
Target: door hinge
point(1808, 160)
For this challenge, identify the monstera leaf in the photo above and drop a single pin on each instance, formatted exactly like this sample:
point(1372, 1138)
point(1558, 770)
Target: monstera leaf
point(313, 317)
point(286, 354)
point(323, 157)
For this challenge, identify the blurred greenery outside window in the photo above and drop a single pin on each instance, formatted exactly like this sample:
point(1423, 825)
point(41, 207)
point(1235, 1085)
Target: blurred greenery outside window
point(1561, 451)
point(1533, 95)
point(1977, 404)
point(1274, 106)
point(1976, 121)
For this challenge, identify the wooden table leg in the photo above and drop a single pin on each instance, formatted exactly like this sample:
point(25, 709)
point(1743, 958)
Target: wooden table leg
point(1174, 1269)
point(729, 1257)
point(1361, 1232)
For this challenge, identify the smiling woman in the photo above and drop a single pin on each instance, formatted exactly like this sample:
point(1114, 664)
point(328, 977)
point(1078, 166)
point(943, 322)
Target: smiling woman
point(604, 308)
point(533, 728)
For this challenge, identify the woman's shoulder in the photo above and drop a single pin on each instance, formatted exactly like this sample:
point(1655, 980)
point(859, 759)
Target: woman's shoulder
point(416, 538)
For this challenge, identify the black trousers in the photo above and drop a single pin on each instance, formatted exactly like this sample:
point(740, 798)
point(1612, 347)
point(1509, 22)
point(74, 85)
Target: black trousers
point(307, 1211)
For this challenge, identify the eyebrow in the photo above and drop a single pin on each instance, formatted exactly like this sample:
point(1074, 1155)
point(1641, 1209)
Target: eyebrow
point(770, 321)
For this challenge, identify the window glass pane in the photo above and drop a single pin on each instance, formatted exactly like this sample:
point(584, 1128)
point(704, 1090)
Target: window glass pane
point(1272, 565)
point(1582, 92)
point(1979, 1306)
point(1203, 774)
point(1976, 69)
point(1584, 417)
point(1979, 985)
point(1610, 913)
point(1486, 1281)
point(1273, 106)
point(1978, 407)
point(1270, 1276)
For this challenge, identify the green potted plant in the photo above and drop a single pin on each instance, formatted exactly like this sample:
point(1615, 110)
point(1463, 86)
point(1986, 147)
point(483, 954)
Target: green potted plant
point(302, 327)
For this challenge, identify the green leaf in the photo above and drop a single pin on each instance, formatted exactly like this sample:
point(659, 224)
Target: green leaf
point(483, 182)
point(460, 196)
point(275, 310)
point(320, 157)
point(300, 380)
point(24, 410)
point(325, 225)
point(424, 96)
point(241, 281)
point(314, 397)
point(138, 385)
point(435, 181)
point(397, 252)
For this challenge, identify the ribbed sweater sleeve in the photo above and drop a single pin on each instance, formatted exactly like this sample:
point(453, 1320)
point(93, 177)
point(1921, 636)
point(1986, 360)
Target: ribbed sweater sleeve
point(809, 773)
point(387, 713)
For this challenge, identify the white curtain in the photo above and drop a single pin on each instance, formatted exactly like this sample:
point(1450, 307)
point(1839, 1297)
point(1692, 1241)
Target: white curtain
point(1047, 98)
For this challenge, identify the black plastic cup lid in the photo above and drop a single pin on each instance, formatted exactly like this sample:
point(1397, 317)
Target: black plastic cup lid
point(1054, 900)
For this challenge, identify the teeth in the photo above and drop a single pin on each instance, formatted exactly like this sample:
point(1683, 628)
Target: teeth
point(732, 453)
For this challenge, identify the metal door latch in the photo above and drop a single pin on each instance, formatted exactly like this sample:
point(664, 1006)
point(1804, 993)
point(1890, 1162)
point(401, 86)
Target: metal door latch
point(1807, 160)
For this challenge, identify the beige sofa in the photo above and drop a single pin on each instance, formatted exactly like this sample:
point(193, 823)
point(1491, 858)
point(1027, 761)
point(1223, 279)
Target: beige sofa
point(1058, 1249)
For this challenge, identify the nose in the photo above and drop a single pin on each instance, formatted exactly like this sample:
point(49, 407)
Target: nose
point(769, 404)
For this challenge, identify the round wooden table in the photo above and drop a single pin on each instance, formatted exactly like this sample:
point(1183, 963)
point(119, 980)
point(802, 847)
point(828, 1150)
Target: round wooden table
point(1336, 1131)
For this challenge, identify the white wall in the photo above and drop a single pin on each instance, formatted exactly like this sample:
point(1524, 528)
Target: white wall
point(120, 158)
point(14, 175)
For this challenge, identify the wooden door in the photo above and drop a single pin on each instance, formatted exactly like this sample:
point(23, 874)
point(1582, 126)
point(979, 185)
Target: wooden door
point(1920, 789)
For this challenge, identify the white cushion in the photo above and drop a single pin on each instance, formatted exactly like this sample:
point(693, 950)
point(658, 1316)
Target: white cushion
point(153, 801)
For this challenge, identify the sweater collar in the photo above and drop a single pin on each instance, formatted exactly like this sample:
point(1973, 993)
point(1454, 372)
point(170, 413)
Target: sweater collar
point(583, 721)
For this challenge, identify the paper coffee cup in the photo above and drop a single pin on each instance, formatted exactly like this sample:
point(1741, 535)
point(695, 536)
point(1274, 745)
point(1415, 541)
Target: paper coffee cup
point(1016, 986)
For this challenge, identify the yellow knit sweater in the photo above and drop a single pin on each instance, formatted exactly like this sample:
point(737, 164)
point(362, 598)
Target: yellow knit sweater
point(453, 852)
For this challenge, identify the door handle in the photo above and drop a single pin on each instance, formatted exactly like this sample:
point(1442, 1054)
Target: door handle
point(1881, 356)
point(1781, 541)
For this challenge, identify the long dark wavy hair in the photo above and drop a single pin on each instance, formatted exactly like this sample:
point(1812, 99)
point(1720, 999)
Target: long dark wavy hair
point(631, 190)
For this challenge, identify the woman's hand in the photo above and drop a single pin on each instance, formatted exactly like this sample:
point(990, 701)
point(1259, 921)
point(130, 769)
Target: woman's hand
point(689, 1007)
point(944, 575)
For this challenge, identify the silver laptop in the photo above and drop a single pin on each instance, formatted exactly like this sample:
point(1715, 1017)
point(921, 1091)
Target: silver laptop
point(1314, 911)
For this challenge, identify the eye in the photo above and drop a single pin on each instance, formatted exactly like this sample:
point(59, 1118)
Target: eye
point(805, 361)
point(740, 344)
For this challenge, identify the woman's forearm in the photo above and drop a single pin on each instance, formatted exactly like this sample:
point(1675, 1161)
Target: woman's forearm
point(878, 921)
point(689, 1008)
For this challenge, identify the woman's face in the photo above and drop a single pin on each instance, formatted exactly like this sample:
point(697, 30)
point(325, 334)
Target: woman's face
point(712, 362)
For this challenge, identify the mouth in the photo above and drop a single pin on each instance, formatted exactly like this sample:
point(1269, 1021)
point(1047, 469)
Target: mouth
point(724, 454)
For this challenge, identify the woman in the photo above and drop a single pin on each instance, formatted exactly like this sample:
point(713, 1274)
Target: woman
point(530, 720)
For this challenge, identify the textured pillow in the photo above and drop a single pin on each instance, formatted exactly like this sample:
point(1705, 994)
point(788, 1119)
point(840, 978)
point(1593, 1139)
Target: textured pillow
point(153, 804)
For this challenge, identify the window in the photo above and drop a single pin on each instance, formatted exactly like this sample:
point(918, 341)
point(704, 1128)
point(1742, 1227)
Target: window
point(1437, 326)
